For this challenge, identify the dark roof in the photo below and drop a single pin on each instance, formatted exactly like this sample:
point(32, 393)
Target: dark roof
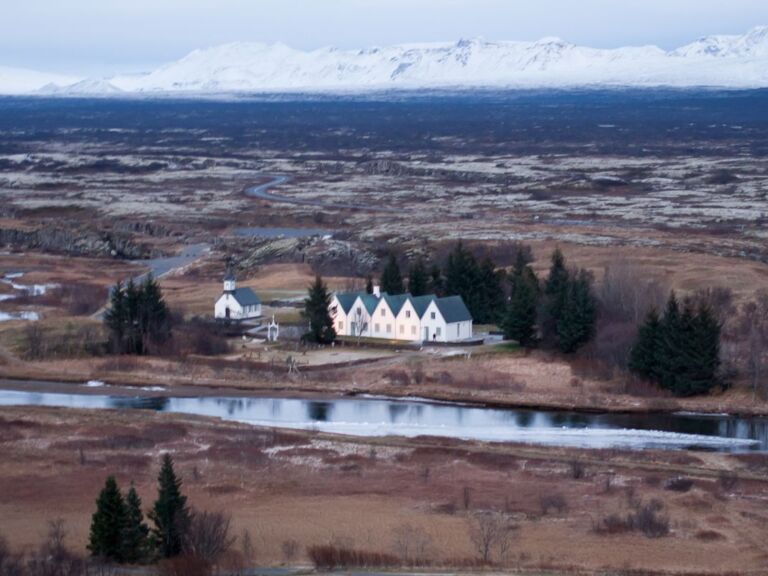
point(369, 301)
point(421, 303)
point(346, 300)
point(396, 303)
point(453, 309)
point(246, 297)
point(229, 276)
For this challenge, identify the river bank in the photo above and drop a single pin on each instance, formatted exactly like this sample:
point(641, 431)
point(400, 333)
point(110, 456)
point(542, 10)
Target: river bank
point(293, 489)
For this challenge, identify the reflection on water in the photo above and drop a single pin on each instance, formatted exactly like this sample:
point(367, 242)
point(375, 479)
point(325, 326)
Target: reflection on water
point(379, 417)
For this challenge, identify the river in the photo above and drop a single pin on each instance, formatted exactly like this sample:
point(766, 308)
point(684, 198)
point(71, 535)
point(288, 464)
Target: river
point(412, 418)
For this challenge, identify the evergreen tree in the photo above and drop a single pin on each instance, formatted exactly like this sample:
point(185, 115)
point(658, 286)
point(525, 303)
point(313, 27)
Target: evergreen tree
point(107, 523)
point(462, 275)
point(170, 513)
point(153, 315)
point(576, 325)
point(369, 284)
point(436, 281)
point(138, 318)
point(135, 534)
point(644, 355)
point(391, 279)
point(418, 279)
point(520, 319)
point(704, 353)
point(316, 305)
point(116, 318)
point(672, 345)
point(555, 293)
point(488, 295)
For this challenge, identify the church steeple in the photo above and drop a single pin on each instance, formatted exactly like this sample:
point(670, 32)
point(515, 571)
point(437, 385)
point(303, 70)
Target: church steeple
point(229, 280)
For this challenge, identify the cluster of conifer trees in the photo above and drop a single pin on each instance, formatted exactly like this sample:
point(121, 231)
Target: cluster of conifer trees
point(138, 319)
point(478, 283)
point(679, 350)
point(564, 309)
point(118, 531)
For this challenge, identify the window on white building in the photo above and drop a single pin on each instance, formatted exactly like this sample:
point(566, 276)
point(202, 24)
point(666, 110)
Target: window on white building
point(458, 330)
point(341, 325)
point(378, 328)
point(383, 312)
point(407, 313)
point(433, 316)
point(389, 328)
point(438, 330)
point(359, 311)
point(402, 329)
point(413, 330)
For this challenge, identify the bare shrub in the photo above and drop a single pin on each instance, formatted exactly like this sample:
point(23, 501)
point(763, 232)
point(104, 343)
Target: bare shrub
point(290, 550)
point(554, 501)
point(185, 565)
point(709, 536)
point(491, 532)
point(466, 497)
point(417, 372)
point(201, 337)
point(728, 480)
point(331, 557)
point(247, 548)
point(398, 377)
point(208, 536)
point(411, 544)
point(678, 484)
point(577, 469)
point(645, 518)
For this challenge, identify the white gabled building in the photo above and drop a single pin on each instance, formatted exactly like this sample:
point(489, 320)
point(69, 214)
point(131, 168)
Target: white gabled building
point(402, 317)
point(236, 303)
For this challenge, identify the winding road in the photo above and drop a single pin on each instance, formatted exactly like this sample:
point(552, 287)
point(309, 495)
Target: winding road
point(261, 191)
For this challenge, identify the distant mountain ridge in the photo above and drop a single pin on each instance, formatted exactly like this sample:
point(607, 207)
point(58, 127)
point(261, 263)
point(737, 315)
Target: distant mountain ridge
point(739, 61)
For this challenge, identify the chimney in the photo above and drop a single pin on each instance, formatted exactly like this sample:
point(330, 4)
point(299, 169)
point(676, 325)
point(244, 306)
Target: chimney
point(377, 291)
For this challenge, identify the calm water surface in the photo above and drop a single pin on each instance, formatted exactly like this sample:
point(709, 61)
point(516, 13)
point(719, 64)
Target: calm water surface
point(384, 416)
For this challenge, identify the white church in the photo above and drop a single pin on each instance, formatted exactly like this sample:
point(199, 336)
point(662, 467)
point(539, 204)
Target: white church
point(402, 317)
point(236, 303)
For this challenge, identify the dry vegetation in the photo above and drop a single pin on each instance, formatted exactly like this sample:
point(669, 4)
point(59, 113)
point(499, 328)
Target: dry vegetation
point(297, 497)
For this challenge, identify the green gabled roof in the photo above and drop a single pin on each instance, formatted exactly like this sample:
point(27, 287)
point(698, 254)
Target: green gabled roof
point(453, 309)
point(396, 303)
point(347, 300)
point(369, 301)
point(421, 303)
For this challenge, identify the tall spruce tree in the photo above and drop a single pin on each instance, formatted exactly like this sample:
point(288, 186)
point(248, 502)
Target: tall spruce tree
point(555, 294)
point(489, 294)
point(578, 316)
point(316, 311)
point(115, 318)
point(391, 278)
point(522, 310)
point(645, 351)
point(704, 352)
point(170, 513)
point(135, 534)
point(436, 281)
point(418, 278)
point(105, 540)
point(153, 315)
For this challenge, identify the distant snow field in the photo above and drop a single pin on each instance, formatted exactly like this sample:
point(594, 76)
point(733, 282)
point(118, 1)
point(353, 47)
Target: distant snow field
point(737, 61)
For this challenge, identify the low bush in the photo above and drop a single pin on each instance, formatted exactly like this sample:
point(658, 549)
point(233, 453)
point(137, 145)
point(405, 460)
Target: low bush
point(646, 518)
point(679, 484)
point(555, 501)
point(330, 557)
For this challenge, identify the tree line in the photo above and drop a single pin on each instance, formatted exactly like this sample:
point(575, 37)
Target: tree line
point(680, 349)
point(119, 534)
point(138, 319)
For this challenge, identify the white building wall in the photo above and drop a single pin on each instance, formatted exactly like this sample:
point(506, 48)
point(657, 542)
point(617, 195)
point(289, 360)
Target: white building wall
point(340, 324)
point(358, 315)
point(383, 321)
point(408, 324)
point(236, 312)
point(433, 326)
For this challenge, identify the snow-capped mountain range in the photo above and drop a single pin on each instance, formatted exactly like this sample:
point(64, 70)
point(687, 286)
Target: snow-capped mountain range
point(715, 61)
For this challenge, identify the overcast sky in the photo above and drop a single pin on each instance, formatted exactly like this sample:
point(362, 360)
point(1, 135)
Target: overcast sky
point(106, 36)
